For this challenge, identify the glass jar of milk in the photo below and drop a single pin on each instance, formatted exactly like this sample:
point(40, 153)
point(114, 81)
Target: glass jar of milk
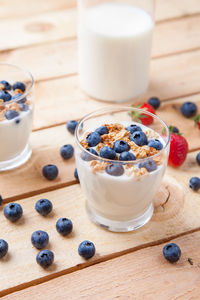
point(114, 48)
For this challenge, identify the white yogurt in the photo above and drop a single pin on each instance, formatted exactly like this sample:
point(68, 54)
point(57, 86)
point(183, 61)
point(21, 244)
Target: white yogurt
point(114, 51)
point(14, 135)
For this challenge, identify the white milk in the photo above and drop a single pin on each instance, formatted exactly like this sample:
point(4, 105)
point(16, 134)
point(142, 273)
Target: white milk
point(114, 51)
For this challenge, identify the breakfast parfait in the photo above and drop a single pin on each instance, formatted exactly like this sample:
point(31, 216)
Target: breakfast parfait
point(121, 163)
point(16, 114)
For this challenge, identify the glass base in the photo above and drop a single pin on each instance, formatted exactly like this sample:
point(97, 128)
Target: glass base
point(16, 161)
point(121, 226)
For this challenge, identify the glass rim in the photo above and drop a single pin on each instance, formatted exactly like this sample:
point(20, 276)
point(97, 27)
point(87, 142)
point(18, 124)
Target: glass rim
point(27, 91)
point(122, 108)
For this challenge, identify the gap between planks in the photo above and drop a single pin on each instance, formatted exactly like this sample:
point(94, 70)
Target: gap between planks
point(92, 263)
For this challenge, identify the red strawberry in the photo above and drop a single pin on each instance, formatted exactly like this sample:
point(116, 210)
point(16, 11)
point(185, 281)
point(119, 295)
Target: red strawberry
point(197, 120)
point(178, 150)
point(144, 118)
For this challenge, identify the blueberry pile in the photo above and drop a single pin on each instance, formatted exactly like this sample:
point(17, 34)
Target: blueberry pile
point(40, 238)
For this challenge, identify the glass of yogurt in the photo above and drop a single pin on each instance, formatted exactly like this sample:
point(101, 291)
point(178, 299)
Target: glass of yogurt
point(114, 48)
point(121, 163)
point(16, 115)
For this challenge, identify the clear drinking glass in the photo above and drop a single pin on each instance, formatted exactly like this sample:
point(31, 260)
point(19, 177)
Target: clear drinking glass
point(122, 202)
point(114, 47)
point(16, 115)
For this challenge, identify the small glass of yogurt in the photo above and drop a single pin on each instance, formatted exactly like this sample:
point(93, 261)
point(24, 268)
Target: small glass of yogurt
point(16, 115)
point(121, 163)
point(114, 48)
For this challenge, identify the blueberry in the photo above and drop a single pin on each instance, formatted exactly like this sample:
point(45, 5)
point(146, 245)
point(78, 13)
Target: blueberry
point(154, 102)
point(155, 144)
point(133, 127)
point(115, 169)
point(102, 130)
point(43, 207)
point(50, 172)
point(3, 248)
point(18, 121)
point(188, 109)
point(11, 114)
point(6, 84)
point(45, 258)
point(5, 96)
point(13, 211)
point(86, 249)
point(23, 107)
point(195, 183)
point(1, 200)
point(198, 158)
point(150, 165)
point(40, 239)
point(121, 146)
point(86, 156)
point(67, 151)
point(93, 139)
point(71, 126)
point(172, 252)
point(175, 129)
point(107, 152)
point(76, 175)
point(64, 226)
point(139, 138)
point(19, 86)
point(127, 156)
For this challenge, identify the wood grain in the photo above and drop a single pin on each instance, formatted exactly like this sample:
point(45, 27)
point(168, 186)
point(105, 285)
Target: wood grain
point(181, 213)
point(71, 103)
point(59, 58)
point(143, 274)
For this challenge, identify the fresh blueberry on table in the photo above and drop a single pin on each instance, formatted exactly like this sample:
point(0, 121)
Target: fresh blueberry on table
point(64, 226)
point(121, 146)
point(19, 86)
point(45, 258)
point(155, 144)
point(115, 169)
point(93, 139)
point(86, 249)
point(50, 172)
point(6, 84)
point(43, 207)
point(11, 114)
point(76, 175)
point(149, 165)
point(5, 96)
point(198, 158)
point(127, 156)
point(154, 102)
point(40, 239)
point(107, 152)
point(102, 130)
point(13, 211)
point(195, 183)
point(67, 151)
point(172, 252)
point(71, 126)
point(173, 129)
point(133, 128)
point(139, 138)
point(188, 109)
point(3, 248)
point(86, 156)
point(1, 200)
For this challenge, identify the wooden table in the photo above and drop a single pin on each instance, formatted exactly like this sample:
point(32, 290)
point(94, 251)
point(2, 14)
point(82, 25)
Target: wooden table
point(41, 36)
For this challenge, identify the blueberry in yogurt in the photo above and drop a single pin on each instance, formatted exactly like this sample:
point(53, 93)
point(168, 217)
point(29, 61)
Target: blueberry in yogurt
point(5, 85)
point(19, 86)
point(5, 96)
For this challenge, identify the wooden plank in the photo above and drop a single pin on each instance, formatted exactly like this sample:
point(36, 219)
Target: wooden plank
point(10, 9)
point(60, 58)
point(41, 28)
point(143, 274)
point(175, 9)
point(46, 144)
point(179, 212)
point(171, 77)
